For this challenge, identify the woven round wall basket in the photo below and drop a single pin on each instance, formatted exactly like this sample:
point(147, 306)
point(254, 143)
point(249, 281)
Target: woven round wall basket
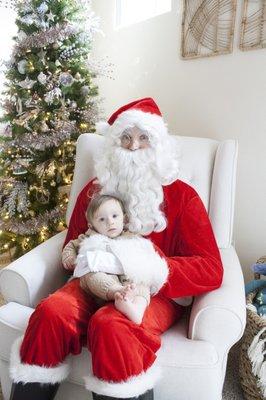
point(252, 363)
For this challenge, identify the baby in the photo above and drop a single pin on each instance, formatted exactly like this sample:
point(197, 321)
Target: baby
point(142, 271)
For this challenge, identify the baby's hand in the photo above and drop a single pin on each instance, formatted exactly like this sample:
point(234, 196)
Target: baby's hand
point(69, 256)
point(69, 264)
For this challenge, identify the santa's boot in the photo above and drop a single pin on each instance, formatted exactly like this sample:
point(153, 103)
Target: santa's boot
point(145, 396)
point(33, 391)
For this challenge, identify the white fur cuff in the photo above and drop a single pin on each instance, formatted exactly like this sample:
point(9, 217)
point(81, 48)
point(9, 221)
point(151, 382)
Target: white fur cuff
point(134, 386)
point(20, 372)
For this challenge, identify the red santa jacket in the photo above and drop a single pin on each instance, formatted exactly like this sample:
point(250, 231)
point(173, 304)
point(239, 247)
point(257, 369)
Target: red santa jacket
point(187, 244)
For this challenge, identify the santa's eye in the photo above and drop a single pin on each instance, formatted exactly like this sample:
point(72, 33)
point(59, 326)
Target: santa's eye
point(115, 216)
point(125, 138)
point(101, 219)
point(144, 138)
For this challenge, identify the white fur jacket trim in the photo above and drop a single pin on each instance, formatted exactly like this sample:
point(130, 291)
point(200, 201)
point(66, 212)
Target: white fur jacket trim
point(139, 259)
point(21, 372)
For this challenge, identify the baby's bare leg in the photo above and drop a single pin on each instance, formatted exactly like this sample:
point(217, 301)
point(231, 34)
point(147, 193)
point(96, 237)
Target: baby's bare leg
point(132, 302)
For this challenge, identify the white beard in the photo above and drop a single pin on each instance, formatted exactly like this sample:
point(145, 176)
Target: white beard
point(135, 177)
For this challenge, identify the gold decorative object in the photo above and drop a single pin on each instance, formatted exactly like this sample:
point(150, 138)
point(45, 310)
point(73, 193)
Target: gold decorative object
point(7, 257)
point(207, 28)
point(253, 29)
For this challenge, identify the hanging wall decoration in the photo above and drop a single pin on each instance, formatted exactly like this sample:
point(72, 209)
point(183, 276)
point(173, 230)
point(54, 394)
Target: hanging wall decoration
point(207, 28)
point(253, 32)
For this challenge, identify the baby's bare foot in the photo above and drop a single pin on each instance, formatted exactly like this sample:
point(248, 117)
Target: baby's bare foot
point(125, 293)
point(133, 308)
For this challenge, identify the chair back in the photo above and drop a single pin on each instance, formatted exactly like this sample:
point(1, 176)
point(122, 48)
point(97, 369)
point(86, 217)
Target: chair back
point(209, 166)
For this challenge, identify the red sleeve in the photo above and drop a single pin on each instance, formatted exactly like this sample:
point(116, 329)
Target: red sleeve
point(78, 223)
point(198, 267)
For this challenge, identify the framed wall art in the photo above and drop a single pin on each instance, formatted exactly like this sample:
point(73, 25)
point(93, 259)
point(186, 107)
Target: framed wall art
point(207, 27)
point(253, 28)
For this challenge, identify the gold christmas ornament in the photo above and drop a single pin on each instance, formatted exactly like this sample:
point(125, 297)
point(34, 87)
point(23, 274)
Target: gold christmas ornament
point(51, 169)
point(83, 126)
point(25, 243)
point(60, 226)
point(43, 195)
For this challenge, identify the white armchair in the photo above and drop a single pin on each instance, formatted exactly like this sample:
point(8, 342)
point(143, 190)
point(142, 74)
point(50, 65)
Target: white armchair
point(194, 352)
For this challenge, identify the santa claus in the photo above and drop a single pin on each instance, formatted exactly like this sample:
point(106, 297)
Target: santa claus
point(139, 164)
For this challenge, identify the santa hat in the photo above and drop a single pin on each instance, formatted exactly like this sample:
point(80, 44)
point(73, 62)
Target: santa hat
point(143, 113)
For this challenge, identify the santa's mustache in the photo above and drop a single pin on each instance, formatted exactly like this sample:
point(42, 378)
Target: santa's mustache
point(138, 157)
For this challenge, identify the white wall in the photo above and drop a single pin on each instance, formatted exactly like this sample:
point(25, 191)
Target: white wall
point(216, 97)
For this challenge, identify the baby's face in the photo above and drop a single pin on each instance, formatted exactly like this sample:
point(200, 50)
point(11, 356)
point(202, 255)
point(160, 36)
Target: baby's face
point(109, 219)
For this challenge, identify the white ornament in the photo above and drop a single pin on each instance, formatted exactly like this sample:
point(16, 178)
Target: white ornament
point(66, 79)
point(21, 35)
point(22, 66)
point(57, 63)
point(27, 83)
point(85, 90)
point(27, 19)
point(42, 78)
point(28, 102)
point(43, 24)
point(73, 104)
point(42, 55)
point(51, 16)
point(19, 106)
point(52, 95)
point(7, 131)
point(43, 8)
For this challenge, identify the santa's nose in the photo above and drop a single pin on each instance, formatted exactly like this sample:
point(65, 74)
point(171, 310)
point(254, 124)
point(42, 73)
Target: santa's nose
point(134, 145)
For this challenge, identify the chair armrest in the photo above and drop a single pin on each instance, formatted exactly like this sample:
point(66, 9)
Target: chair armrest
point(219, 317)
point(34, 275)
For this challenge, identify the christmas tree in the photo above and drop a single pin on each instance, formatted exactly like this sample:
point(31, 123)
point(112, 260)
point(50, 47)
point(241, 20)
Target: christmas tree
point(50, 99)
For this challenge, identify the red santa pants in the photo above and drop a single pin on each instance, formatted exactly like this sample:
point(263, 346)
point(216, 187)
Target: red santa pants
point(122, 352)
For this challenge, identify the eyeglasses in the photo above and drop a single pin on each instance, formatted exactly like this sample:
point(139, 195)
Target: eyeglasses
point(127, 137)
